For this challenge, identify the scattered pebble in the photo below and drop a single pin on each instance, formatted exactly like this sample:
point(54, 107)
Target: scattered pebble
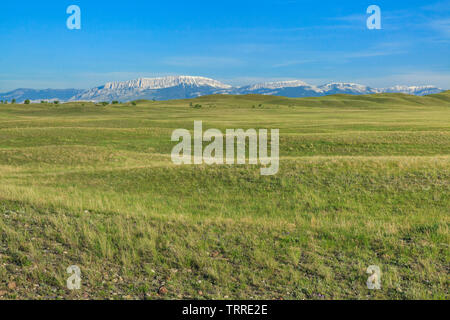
point(163, 290)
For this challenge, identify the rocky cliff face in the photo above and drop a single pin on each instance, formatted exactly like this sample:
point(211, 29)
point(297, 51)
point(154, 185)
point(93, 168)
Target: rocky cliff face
point(166, 82)
point(180, 87)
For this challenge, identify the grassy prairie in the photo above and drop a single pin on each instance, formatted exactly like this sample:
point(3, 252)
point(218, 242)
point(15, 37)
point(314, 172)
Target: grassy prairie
point(363, 180)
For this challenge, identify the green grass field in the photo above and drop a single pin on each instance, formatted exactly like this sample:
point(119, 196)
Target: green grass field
point(363, 180)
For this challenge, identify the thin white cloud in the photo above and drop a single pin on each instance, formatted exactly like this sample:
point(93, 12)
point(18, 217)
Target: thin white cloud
point(440, 6)
point(293, 63)
point(351, 18)
point(441, 25)
point(199, 61)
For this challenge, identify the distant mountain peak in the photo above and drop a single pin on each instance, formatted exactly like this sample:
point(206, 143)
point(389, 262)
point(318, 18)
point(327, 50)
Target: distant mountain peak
point(278, 85)
point(343, 84)
point(166, 82)
point(22, 94)
point(414, 90)
point(347, 87)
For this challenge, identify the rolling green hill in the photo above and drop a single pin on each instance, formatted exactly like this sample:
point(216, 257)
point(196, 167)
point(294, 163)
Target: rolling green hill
point(363, 180)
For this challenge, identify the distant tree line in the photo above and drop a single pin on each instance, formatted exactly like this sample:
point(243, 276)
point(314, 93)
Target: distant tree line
point(27, 101)
point(13, 101)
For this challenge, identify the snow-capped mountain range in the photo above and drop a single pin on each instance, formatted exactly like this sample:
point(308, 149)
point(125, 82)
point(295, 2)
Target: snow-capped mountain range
point(166, 88)
point(167, 82)
point(184, 87)
point(414, 90)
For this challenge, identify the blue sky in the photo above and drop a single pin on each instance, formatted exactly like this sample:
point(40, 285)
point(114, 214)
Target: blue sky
point(238, 42)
